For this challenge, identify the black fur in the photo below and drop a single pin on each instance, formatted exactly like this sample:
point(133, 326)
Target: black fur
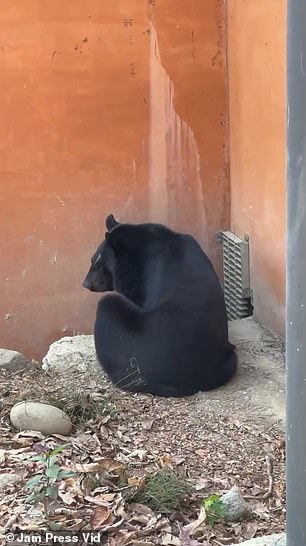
point(162, 328)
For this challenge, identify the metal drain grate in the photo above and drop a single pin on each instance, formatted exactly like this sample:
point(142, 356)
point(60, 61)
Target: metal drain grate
point(236, 273)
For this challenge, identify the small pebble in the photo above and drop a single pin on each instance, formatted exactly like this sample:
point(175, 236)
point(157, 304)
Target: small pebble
point(235, 507)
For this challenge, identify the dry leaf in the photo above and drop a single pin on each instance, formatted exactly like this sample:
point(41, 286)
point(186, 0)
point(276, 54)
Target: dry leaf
point(25, 442)
point(191, 527)
point(140, 518)
point(202, 483)
point(119, 509)
point(142, 543)
point(140, 453)
point(249, 530)
point(104, 432)
point(105, 419)
point(63, 439)
point(141, 508)
point(186, 540)
point(67, 497)
point(122, 538)
point(165, 461)
point(202, 453)
point(103, 464)
point(70, 486)
point(13, 517)
point(97, 499)
point(77, 525)
point(147, 424)
point(12, 453)
point(137, 481)
point(2, 456)
point(113, 526)
point(100, 516)
point(28, 434)
point(122, 437)
point(108, 497)
point(170, 540)
point(178, 460)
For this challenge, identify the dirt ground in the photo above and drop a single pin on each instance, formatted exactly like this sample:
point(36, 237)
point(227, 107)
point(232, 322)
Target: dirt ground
point(231, 436)
point(258, 391)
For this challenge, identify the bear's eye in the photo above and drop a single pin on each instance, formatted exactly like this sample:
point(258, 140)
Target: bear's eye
point(97, 260)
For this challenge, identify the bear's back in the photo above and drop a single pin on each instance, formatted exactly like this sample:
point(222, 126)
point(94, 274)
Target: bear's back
point(174, 268)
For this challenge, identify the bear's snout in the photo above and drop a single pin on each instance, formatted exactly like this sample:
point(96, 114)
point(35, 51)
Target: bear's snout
point(87, 284)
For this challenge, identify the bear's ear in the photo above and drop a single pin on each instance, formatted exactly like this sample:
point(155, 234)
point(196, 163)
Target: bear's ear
point(110, 222)
point(115, 240)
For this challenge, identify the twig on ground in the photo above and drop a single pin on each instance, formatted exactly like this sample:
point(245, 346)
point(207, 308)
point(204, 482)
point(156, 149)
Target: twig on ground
point(267, 495)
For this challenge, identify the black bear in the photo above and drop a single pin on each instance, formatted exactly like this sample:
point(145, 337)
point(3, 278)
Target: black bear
point(162, 327)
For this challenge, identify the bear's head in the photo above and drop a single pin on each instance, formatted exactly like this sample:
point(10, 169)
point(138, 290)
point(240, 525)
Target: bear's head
point(100, 275)
point(129, 254)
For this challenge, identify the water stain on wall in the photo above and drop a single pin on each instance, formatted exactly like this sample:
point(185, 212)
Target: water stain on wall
point(174, 159)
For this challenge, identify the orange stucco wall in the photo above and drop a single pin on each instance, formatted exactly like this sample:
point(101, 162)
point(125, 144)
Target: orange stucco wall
point(105, 107)
point(256, 57)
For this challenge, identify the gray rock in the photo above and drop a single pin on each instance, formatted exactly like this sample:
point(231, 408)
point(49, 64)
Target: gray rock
point(269, 540)
point(71, 353)
point(8, 479)
point(235, 507)
point(40, 417)
point(13, 360)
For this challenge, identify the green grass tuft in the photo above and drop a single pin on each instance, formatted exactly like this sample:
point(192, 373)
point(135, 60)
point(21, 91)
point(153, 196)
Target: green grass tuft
point(163, 491)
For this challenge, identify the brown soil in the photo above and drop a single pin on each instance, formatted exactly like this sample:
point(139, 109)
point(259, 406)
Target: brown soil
point(215, 440)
